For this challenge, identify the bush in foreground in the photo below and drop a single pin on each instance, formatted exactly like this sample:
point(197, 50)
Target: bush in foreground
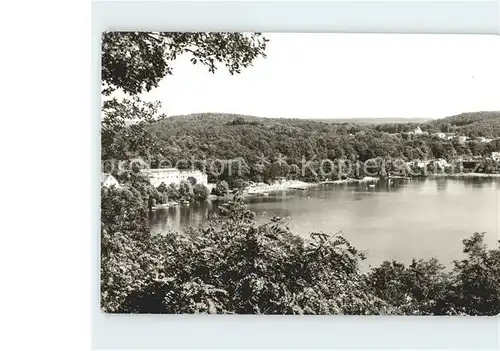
point(235, 265)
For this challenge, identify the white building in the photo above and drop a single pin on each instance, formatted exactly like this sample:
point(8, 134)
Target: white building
point(495, 156)
point(441, 162)
point(441, 135)
point(107, 181)
point(484, 140)
point(173, 175)
point(417, 131)
point(419, 163)
point(462, 139)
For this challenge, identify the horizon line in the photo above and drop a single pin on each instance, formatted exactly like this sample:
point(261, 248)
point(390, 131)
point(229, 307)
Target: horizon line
point(329, 118)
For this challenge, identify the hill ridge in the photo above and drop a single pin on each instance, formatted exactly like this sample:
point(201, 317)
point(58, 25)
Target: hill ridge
point(464, 116)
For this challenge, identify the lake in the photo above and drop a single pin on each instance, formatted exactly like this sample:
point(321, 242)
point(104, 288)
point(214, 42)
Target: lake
point(396, 220)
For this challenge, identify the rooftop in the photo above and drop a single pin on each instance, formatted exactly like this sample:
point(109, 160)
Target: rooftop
point(104, 176)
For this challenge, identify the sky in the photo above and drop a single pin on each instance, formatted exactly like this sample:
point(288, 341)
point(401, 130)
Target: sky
point(346, 76)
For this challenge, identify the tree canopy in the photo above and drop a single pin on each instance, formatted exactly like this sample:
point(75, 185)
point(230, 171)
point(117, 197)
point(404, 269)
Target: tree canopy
point(137, 61)
point(235, 264)
point(244, 140)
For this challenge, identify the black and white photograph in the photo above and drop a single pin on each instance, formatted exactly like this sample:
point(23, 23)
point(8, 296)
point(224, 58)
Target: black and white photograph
point(300, 174)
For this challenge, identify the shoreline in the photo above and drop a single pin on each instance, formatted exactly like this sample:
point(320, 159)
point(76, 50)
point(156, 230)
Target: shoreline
point(471, 174)
point(461, 175)
point(262, 188)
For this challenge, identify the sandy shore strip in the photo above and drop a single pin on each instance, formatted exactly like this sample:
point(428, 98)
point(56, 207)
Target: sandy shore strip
point(262, 188)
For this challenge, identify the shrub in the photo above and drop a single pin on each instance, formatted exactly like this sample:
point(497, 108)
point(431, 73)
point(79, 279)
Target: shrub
point(221, 188)
point(234, 264)
point(200, 192)
point(476, 279)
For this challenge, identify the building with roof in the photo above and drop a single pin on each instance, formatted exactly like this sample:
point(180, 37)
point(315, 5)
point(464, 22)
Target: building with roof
point(416, 131)
point(173, 175)
point(495, 156)
point(484, 140)
point(442, 163)
point(107, 181)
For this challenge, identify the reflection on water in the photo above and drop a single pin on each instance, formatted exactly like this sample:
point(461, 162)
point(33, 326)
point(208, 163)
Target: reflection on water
point(179, 217)
point(400, 219)
point(441, 184)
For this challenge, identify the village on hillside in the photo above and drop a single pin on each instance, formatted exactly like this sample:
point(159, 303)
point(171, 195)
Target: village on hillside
point(449, 136)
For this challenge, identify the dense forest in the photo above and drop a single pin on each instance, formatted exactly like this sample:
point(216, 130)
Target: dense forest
point(471, 124)
point(257, 143)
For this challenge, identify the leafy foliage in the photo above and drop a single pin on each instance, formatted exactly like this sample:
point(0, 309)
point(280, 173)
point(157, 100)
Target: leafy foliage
point(139, 183)
point(137, 61)
point(221, 188)
point(416, 289)
point(476, 288)
point(200, 192)
point(215, 137)
point(471, 124)
point(186, 190)
point(122, 142)
point(235, 265)
point(471, 288)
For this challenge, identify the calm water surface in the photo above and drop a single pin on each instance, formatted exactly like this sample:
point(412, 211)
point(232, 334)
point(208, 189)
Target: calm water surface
point(398, 220)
